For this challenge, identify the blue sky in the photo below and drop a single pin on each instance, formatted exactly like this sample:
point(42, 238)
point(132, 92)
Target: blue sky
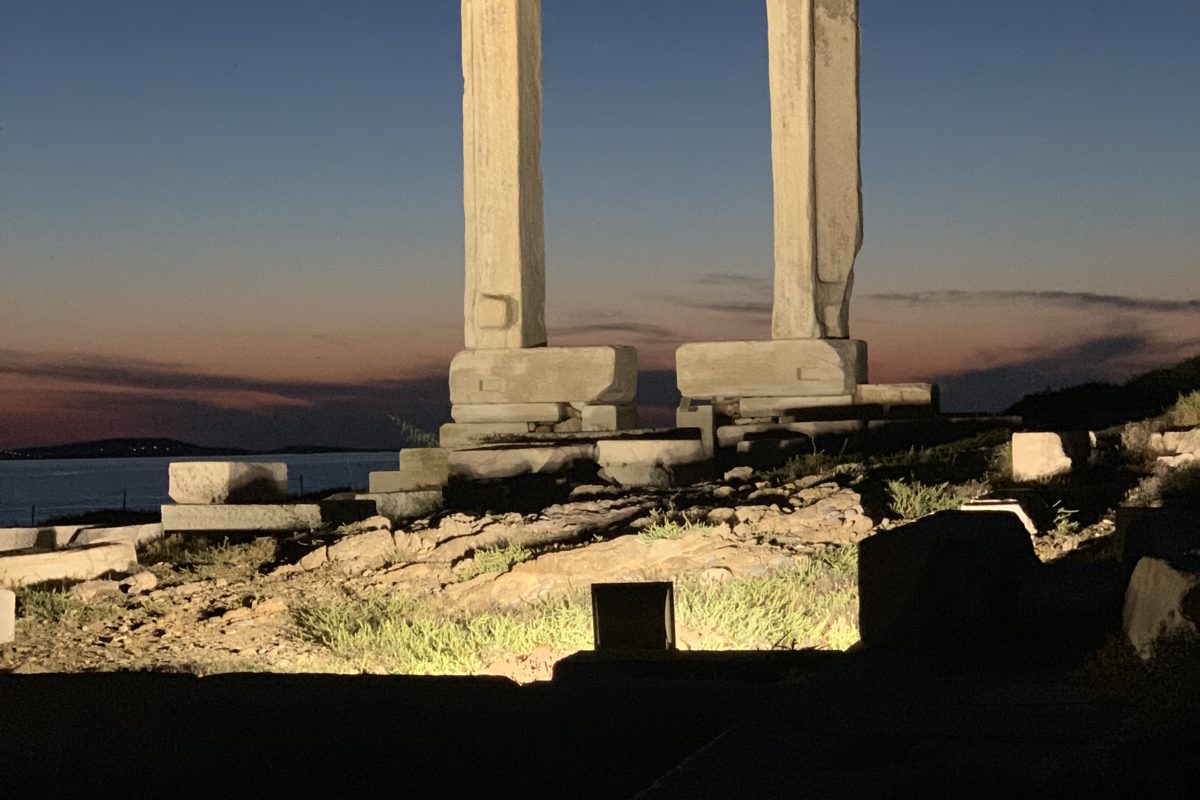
point(268, 191)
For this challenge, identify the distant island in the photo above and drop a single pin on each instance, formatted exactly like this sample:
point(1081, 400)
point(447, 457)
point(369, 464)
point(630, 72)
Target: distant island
point(151, 448)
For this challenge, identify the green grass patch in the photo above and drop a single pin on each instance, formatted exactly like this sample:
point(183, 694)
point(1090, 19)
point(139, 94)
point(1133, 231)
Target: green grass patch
point(814, 604)
point(208, 557)
point(1065, 523)
point(56, 604)
point(1185, 413)
point(496, 559)
point(663, 526)
point(914, 500)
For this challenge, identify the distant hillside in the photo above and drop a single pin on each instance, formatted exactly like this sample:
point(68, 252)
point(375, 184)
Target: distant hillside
point(1093, 406)
point(121, 448)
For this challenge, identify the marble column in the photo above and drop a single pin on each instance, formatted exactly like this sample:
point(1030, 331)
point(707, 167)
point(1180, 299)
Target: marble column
point(502, 175)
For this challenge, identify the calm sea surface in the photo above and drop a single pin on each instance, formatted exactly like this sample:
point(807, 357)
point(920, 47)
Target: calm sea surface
point(53, 488)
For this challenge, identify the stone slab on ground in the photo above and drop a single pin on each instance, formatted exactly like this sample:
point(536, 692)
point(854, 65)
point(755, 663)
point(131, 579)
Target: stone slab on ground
point(495, 463)
point(136, 535)
point(1040, 455)
point(609, 417)
point(83, 563)
point(653, 462)
point(1003, 506)
point(211, 482)
point(8, 615)
point(397, 506)
point(281, 518)
point(510, 412)
point(1162, 602)
point(950, 577)
point(457, 435)
point(781, 368)
point(603, 374)
point(1180, 443)
point(45, 537)
point(421, 468)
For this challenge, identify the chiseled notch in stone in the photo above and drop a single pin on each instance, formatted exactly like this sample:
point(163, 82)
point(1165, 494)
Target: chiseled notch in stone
point(780, 368)
point(601, 374)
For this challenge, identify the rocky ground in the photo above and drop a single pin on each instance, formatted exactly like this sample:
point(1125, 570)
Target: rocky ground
point(296, 604)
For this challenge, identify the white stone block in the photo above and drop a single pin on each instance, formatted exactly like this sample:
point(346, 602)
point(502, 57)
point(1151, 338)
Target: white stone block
point(1036, 456)
point(544, 375)
point(280, 518)
point(456, 436)
point(1004, 506)
point(609, 418)
point(783, 368)
point(1162, 601)
point(81, 564)
point(421, 468)
point(549, 413)
point(652, 462)
point(896, 394)
point(8, 615)
point(46, 537)
point(690, 415)
point(212, 482)
point(399, 506)
point(495, 463)
point(1181, 442)
point(136, 535)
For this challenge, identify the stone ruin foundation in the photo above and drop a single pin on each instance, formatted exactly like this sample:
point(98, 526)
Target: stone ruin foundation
point(509, 385)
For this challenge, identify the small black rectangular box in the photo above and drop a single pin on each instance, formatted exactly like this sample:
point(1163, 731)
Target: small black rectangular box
point(634, 616)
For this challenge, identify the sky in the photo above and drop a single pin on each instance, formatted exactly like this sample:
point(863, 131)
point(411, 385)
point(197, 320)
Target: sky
point(241, 222)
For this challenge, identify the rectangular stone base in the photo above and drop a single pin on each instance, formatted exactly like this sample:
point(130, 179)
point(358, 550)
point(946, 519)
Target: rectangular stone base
point(780, 368)
point(283, 518)
point(510, 412)
point(868, 401)
point(544, 375)
point(609, 418)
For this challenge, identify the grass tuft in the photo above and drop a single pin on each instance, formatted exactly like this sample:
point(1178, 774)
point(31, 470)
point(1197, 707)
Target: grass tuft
point(1186, 411)
point(915, 500)
point(55, 605)
point(662, 526)
point(496, 559)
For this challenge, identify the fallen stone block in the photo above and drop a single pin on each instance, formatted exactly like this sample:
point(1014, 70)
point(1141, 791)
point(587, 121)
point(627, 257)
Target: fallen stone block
point(1180, 443)
point(136, 535)
point(653, 462)
point(953, 576)
point(544, 375)
point(397, 506)
point(1036, 456)
point(691, 415)
point(213, 482)
point(139, 582)
point(780, 368)
point(46, 537)
point(510, 412)
point(897, 394)
point(1166, 533)
point(1004, 506)
point(8, 615)
point(457, 436)
point(1162, 602)
point(284, 518)
point(609, 418)
point(421, 468)
point(495, 463)
point(79, 564)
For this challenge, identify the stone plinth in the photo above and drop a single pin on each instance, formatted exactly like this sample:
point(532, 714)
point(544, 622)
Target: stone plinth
point(602, 374)
point(8, 615)
point(75, 564)
point(1037, 456)
point(783, 368)
point(1162, 602)
point(213, 482)
point(283, 518)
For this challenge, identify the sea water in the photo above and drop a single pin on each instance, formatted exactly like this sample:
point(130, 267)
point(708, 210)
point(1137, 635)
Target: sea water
point(38, 489)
